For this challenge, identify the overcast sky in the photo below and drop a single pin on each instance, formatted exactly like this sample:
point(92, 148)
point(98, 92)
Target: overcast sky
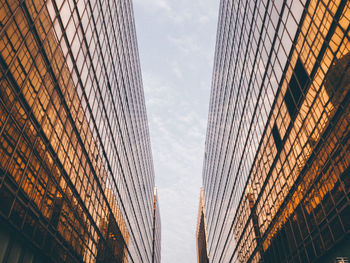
point(176, 40)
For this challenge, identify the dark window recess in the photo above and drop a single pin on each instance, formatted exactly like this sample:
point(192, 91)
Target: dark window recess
point(337, 82)
point(277, 137)
point(58, 203)
point(297, 87)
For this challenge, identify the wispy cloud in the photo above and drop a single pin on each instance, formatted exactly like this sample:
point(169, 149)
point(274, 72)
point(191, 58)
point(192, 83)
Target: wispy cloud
point(185, 44)
point(155, 4)
point(181, 11)
point(176, 43)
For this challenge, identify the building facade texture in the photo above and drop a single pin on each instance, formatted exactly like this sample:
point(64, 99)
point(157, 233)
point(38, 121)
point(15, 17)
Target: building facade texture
point(76, 171)
point(276, 169)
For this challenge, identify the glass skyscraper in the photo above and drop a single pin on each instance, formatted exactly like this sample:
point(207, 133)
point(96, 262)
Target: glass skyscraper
point(76, 171)
point(201, 232)
point(156, 257)
point(276, 169)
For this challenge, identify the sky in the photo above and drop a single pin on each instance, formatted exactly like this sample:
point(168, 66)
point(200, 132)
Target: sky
point(176, 41)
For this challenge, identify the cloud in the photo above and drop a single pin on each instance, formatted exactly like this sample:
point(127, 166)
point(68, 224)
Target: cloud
point(176, 43)
point(185, 44)
point(204, 19)
point(177, 135)
point(177, 71)
point(155, 4)
point(183, 11)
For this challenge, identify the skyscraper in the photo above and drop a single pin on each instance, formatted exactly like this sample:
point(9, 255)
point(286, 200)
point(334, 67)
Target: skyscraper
point(201, 233)
point(276, 169)
point(76, 171)
point(156, 257)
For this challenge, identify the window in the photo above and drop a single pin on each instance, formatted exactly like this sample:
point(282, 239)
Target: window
point(297, 86)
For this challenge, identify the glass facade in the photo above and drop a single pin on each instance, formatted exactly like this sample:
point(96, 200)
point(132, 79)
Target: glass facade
point(76, 171)
point(276, 168)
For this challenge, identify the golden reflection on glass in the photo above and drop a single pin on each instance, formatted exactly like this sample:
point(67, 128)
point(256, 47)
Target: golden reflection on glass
point(298, 172)
point(50, 152)
point(321, 110)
